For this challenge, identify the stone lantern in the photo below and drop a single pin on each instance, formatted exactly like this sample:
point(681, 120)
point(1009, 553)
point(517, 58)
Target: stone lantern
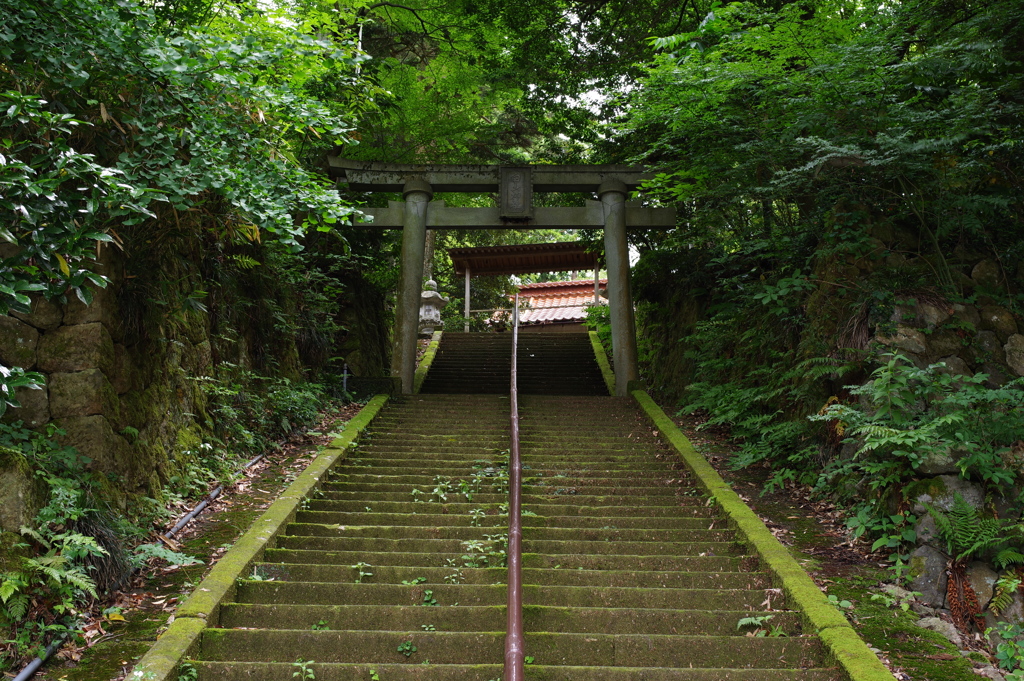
point(431, 304)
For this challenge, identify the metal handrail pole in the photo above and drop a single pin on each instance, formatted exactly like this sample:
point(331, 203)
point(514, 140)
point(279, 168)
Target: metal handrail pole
point(514, 651)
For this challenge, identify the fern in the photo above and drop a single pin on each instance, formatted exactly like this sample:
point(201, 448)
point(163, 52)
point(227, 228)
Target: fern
point(968, 534)
point(1005, 588)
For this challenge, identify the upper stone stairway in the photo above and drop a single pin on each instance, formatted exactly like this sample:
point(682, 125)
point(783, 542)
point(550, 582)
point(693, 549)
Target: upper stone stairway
point(549, 364)
point(396, 572)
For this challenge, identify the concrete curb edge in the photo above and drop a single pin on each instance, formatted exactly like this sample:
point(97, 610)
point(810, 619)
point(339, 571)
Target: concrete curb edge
point(201, 609)
point(428, 359)
point(844, 645)
point(602, 362)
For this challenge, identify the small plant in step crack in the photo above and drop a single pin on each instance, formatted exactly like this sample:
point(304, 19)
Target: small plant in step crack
point(759, 626)
point(320, 626)
point(529, 659)
point(374, 676)
point(897, 598)
point(841, 604)
point(362, 570)
point(428, 627)
point(475, 516)
point(503, 509)
point(407, 648)
point(417, 494)
point(497, 553)
point(303, 670)
point(414, 581)
point(467, 489)
point(428, 597)
point(442, 486)
point(455, 576)
point(258, 576)
point(188, 672)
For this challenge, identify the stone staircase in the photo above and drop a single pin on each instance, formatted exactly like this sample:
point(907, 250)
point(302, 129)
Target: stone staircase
point(397, 571)
point(549, 364)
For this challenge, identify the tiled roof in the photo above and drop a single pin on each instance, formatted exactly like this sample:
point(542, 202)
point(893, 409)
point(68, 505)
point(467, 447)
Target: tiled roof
point(565, 256)
point(557, 301)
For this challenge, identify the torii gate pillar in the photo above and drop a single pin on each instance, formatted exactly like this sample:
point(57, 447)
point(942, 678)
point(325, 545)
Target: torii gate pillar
point(616, 253)
point(414, 233)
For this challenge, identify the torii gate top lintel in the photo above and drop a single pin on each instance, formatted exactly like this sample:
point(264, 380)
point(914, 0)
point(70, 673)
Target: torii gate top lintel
point(372, 176)
point(515, 186)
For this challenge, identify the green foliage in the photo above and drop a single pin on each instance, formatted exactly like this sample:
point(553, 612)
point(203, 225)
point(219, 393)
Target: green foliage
point(913, 414)
point(303, 670)
point(407, 648)
point(1009, 651)
point(969, 534)
point(144, 552)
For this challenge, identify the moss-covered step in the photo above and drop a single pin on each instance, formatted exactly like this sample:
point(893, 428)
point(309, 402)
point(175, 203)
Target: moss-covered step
point(415, 670)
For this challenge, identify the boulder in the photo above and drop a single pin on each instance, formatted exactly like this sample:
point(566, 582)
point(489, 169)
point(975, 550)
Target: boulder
point(94, 437)
point(34, 411)
point(997, 376)
point(983, 581)
point(966, 315)
point(938, 463)
point(932, 315)
point(986, 348)
point(21, 492)
point(102, 309)
point(955, 366)
point(943, 627)
point(18, 343)
point(941, 491)
point(81, 393)
point(928, 575)
point(1014, 353)
point(943, 343)
point(46, 315)
point(927, 532)
point(988, 275)
point(76, 348)
point(1000, 320)
point(905, 339)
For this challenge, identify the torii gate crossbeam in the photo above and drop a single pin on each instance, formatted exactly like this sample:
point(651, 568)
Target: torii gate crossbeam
point(515, 186)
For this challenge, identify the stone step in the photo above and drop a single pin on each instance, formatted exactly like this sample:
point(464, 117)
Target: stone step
point(658, 563)
point(493, 618)
point(576, 534)
point(389, 574)
point(266, 671)
point(556, 649)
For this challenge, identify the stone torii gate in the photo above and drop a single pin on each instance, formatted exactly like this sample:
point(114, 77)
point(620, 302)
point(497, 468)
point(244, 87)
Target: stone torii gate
point(515, 186)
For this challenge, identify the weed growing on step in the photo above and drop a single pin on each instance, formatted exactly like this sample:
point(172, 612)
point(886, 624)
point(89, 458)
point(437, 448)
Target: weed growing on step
point(442, 486)
point(407, 648)
point(475, 516)
point(417, 494)
point(428, 597)
point(363, 570)
point(303, 670)
point(374, 676)
point(428, 627)
point(842, 605)
point(320, 626)
point(760, 627)
point(414, 581)
point(455, 576)
point(188, 672)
